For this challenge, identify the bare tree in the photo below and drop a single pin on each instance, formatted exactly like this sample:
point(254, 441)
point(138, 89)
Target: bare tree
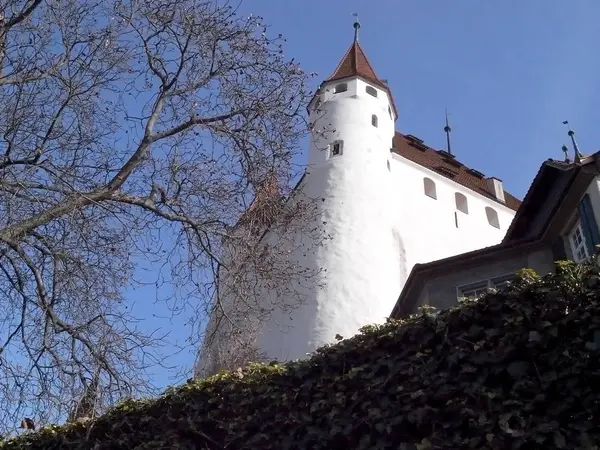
point(131, 130)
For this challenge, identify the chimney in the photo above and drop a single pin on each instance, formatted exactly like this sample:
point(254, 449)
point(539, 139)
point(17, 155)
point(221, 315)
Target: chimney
point(494, 187)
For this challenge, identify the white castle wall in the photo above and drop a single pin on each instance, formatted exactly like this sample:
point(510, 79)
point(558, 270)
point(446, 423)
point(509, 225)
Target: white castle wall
point(429, 226)
point(378, 218)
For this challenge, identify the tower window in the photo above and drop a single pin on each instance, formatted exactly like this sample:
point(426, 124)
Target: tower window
point(318, 102)
point(374, 121)
point(342, 87)
point(390, 112)
point(336, 148)
point(492, 217)
point(461, 202)
point(429, 187)
point(371, 91)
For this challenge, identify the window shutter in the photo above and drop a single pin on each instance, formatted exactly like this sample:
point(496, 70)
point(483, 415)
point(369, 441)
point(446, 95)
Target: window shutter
point(588, 224)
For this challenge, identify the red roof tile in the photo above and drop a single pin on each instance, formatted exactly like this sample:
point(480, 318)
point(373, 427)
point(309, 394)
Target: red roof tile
point(355, 63)
point(443, 163)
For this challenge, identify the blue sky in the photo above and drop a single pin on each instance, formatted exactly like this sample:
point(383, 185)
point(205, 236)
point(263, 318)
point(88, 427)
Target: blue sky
point(508, 71)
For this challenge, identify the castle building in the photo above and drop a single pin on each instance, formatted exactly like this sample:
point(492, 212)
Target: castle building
point(389, 202)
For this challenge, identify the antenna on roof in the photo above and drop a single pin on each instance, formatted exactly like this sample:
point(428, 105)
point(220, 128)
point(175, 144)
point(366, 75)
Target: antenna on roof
point(447, 130)
point(565, 150)
point(571, 134)
point(356, 27)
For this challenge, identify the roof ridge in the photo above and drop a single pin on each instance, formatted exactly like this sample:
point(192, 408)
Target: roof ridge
point(428, 157)
point(358, 47)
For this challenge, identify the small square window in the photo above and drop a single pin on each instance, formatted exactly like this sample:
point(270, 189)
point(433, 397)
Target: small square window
point(342, 87)
point(371, 91)
point(502, 282)
point(336, 148)
point(474, 290)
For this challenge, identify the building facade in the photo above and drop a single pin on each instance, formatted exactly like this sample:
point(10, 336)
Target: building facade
point(386, 202)
point(558, 220)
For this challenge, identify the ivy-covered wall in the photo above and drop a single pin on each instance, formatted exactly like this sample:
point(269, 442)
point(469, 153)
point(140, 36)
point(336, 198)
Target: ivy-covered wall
point(519, 369)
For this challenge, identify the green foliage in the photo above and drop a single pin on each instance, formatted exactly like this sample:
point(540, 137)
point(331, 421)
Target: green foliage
point(527, 276)
point(517, 369)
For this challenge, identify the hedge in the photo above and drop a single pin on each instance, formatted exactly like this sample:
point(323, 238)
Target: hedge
point(517, 369)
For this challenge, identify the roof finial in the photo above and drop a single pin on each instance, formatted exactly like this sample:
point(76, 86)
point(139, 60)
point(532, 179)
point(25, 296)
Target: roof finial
point(565, 150)
point(356, 27)
point(447, 129)
point(571, 134)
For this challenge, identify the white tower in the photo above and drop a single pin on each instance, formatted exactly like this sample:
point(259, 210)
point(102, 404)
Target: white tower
point(352, 119)
point(386, 202)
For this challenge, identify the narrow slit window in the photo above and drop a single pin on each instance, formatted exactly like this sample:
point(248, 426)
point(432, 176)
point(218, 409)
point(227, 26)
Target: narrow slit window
point(390, 112)
point(371, 91)
point(374, 121)
point(492, 217)
point(342, 87)
point(429, 187)
point(461, 203)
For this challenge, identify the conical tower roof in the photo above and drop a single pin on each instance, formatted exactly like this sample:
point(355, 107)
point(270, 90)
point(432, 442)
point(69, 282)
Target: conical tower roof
point(356, 64)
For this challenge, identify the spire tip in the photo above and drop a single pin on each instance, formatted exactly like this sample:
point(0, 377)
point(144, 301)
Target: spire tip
point(447, 130)
point(356, 26)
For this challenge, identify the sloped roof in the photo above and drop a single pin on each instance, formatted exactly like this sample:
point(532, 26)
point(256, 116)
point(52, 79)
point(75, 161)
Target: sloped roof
point(446, 165)
point(534, 199)
point(355, 63)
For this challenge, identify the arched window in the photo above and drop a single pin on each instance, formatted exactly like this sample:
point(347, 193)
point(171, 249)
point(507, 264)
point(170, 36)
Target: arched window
point(492, 217)
point(342, 87)
point(374, 121)
point(429, 187)
point(461, 202)
point(371, 91)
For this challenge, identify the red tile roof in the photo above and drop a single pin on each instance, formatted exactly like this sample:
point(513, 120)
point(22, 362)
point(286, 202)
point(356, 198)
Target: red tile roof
point(355, 63)
point(413, 149)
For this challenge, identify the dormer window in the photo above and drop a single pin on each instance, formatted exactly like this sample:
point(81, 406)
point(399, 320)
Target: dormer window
point(335, 149)
point(342, 87)
point(371, 91)
point(374, 121)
